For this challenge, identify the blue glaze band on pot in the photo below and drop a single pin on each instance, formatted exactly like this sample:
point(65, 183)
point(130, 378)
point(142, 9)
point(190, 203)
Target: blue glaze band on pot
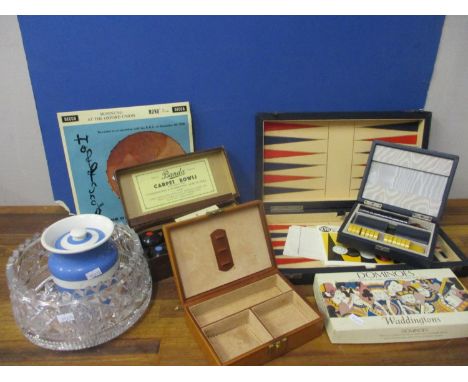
point(77, 267)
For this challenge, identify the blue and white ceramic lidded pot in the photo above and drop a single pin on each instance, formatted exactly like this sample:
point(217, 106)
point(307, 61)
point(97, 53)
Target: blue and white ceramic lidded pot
point(81, 254)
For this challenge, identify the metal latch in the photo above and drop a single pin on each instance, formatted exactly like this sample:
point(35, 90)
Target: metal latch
point(422, 217)
point(382, 249)
point(278, 346)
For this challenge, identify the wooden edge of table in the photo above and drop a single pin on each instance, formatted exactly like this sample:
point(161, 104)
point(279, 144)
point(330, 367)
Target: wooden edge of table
point(162, 337)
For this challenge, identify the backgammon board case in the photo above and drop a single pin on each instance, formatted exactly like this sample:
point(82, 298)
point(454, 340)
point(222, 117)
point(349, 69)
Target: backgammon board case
point(158, 192)
point(309, 172)
point(392, 306)
point(239, 307)
point(401, 201)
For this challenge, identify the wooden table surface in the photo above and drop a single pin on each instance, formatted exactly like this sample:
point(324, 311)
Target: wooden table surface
point(161, 337)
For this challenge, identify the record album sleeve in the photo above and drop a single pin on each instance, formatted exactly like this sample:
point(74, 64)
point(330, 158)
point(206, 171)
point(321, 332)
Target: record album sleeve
point(98, 142)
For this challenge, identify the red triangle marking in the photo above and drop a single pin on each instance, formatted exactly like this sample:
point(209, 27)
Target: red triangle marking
point(275, 227)
point(278, 243)
point(284, 178)
point(408, 139)
point(274, 126)
point(268, 154)
point(293, 260)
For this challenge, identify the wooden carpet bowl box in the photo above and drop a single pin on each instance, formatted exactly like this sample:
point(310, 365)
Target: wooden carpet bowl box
point(401, 201)
point(158, 192)
point(239, 307)
point(309, 171)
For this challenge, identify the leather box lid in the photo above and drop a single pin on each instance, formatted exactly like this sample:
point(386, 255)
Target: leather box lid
point(408, 180)
point(192, 251)
point(159, 191)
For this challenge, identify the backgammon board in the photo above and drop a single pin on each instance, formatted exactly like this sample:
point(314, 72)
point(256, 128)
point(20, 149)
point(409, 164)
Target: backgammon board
point(320, 160)
point(310, 167)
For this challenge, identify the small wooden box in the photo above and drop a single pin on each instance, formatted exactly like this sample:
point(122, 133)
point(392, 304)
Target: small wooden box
point(158, 192)
point(401, 201)
point(239, 307)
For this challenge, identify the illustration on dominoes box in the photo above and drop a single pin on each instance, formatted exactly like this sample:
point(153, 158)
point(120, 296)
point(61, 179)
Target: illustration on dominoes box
point(392, 306)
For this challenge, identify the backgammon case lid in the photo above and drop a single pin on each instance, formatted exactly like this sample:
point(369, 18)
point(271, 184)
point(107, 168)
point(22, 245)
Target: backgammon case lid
point(309, 162)
point(408, 180)
point(159, 191)
point(219, 251)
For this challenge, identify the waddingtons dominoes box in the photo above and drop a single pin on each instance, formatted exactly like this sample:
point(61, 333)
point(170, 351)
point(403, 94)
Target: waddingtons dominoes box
point(392, 305)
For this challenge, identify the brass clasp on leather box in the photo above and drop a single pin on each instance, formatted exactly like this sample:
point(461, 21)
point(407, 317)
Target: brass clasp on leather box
point(278, 347)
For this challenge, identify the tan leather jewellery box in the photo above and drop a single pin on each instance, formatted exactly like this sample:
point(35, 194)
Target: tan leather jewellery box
point(240, 308)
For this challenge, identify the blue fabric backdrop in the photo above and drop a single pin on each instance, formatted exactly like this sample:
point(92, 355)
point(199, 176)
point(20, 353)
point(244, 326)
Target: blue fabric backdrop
point(229, 68)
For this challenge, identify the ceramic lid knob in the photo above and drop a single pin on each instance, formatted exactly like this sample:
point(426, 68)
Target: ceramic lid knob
point(78, 233)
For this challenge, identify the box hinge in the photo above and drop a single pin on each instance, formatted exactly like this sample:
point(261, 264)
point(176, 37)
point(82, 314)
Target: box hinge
point(214, 212)
point(211, 210)
point(294, 276)
point(422, 217)
point(373, 204)
point(287, 209)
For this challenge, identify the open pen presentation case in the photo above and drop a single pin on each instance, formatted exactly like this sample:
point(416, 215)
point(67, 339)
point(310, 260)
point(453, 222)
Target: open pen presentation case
point(401, 201)
point(160, 191)
point(239, 307)
point(309, 172)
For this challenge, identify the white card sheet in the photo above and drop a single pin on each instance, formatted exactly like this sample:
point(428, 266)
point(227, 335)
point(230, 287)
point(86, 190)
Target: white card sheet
point(304, 242)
